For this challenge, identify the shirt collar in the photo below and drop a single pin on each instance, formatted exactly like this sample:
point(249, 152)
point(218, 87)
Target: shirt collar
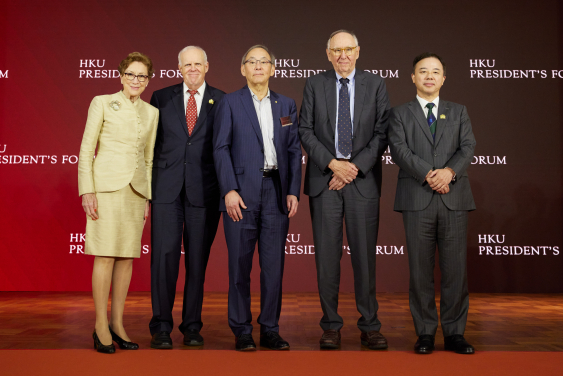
point(424, 102)
point(200, 90)
point(350, 77)
point(256, 98)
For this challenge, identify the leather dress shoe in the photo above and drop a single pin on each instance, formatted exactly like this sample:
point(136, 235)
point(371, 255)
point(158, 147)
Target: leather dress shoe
point(273, 341)
point(193, 338)
point(330, 339)
point(374, 340)
point(458, 344)
point(105, 349)
point(424, 344)
point(123, 344)
point(161, 340)
point(245, 342)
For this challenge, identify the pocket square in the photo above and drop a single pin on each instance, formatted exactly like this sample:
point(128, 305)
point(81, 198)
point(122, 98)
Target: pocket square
point(285, 121)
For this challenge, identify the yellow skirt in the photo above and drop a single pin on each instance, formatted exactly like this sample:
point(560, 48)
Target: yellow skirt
point(118, 230)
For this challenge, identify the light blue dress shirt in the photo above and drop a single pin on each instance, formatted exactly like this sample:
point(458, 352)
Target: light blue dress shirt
point(351, 94)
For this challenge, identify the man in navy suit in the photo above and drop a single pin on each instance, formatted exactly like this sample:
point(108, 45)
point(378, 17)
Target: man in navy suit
point(258, 162)
point(185, 191)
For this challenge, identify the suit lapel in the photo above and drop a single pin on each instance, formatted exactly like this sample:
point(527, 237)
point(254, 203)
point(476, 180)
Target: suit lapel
point(330, 92)
point(246, 99)
point(204, 110)
point(276, 115)
point(443, 109)
point(414, 106)
point(359, 94)
point(178, 100)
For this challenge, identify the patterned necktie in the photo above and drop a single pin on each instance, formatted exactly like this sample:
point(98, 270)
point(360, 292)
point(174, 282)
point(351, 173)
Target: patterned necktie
point(431, 119)
point(344, 121)
point(191, 112)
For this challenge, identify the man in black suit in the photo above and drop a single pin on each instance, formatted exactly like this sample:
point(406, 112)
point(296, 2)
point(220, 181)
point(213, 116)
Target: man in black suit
point(185, 197)
point(431, 140)
point(343, 130)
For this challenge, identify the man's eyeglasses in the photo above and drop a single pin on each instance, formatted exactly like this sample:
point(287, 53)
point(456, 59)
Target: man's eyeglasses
point(140, 77)
point(253, 62)
point(347, 50)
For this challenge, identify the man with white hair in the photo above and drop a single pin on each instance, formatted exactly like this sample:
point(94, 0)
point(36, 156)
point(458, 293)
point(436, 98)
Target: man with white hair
point(343, 125)
point(185, 197)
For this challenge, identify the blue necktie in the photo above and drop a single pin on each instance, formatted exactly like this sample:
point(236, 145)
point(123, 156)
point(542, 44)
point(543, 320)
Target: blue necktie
point(344, 121)
point(431, 120)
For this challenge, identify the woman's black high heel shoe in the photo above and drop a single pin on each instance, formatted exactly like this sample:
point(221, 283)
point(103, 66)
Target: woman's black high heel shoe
point(123, 345)
point(109, 349)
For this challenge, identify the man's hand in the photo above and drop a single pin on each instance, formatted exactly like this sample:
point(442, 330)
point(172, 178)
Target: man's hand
point(147, 208)
point(438, 179)
point(345, 171)
point(335, 184)
point(445, 190)
point(234, 202)
point(292, 204)
point(90, 205)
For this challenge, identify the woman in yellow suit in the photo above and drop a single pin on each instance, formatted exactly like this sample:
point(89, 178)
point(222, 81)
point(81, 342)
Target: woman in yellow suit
point(115, 187)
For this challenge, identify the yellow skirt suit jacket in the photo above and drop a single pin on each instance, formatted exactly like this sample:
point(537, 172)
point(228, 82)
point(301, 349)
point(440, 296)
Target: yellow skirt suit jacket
point(120, 174)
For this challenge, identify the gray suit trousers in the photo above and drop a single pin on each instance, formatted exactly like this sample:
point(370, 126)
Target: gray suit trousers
point(437, 225)
point(361, 216)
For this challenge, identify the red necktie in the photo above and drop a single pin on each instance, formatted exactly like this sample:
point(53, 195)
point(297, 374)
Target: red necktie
point(191, 112)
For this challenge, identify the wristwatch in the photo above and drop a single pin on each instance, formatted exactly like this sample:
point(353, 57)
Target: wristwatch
point(452, 171)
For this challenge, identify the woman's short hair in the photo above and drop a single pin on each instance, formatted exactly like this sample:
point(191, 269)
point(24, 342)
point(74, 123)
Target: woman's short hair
point(136, 56)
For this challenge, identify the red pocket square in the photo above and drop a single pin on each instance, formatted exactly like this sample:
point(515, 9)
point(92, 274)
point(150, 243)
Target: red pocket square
point(285, 121)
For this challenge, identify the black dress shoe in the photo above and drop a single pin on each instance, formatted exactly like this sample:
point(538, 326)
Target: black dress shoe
point(161, 340)
point(123, 344)
point(458, 344)
point(274, 341)
point(245, 342)
point(106, 349)
point(192, 338)
point(424, 344)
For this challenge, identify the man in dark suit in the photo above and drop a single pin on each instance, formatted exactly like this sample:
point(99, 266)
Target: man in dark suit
point(432, 142)
point(343, 130)
point(258, 162)
point(185, 201)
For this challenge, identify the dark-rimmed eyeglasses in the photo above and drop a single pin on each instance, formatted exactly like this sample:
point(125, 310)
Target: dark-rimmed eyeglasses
point(131, 77)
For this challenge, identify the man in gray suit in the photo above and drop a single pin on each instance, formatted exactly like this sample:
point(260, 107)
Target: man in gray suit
point(432, 142)
point(342, 128)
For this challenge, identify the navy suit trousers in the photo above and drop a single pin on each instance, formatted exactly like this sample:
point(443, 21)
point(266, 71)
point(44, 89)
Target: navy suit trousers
point(170, 223)
point(268, 226)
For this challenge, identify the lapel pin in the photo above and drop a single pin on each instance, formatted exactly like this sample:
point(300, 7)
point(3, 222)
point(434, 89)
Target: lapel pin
point(276, 101)
point(115, 105)
point(211, 101)
point(442, 116)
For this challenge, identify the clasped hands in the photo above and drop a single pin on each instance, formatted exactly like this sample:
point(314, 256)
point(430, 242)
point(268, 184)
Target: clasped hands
point(342, 173)
point(440, 179)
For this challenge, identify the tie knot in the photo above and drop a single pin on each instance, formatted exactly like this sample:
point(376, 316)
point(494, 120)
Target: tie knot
point(344, 81)
point(192, 92)
point(430, 105)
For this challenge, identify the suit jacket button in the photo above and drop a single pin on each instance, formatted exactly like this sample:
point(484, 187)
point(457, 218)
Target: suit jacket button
point(435, 154)
point(189, 143)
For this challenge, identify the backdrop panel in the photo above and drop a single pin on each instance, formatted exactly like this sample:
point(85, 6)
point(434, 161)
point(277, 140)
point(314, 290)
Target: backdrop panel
point(504, 62)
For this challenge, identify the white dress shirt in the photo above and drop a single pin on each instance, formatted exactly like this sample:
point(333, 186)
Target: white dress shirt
point(424, 102)
point(198, 97)
point(265, 119)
